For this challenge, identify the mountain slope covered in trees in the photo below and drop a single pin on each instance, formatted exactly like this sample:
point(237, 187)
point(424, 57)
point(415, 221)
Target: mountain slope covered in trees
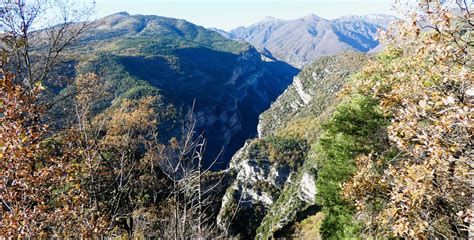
point(226, 81)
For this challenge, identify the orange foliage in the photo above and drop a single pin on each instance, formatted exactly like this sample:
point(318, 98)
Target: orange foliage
point(426, 89)
point(38, 191)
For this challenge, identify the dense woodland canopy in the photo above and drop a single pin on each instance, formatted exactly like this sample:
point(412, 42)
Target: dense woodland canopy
point(393, 154)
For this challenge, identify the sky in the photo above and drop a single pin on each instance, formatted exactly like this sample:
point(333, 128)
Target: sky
point(229, 14)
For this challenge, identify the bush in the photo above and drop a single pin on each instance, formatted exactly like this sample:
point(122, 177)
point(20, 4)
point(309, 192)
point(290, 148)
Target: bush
point(356, 127)
point(278, 150)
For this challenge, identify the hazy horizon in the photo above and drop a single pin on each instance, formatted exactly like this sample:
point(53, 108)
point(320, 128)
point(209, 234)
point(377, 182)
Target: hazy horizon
point(232, 13)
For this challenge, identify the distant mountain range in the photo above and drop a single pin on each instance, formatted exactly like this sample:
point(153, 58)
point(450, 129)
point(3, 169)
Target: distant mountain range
point(303, 40)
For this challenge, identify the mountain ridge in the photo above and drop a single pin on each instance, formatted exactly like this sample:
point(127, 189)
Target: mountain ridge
point(303, 40)
point(185, 64)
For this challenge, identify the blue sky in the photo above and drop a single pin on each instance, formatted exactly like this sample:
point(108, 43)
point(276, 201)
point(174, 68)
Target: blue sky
point(228, 14)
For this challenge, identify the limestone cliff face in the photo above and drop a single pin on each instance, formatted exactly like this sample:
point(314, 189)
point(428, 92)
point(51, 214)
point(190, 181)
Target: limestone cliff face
point(311, 91)
point(261, 169)
point(250, 210)
point(246, 93)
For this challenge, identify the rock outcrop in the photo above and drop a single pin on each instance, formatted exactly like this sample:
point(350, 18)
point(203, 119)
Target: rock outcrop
point(248, 210)
point(261, 169)
point(311, 92)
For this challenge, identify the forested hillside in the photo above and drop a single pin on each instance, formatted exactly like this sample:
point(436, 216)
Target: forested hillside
point(189, 68)
point(101, 118)
point(130, 127)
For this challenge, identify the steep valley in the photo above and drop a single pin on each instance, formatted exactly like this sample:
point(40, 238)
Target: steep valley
point(275, 175)
point(236, 96)
point(224, 84)
point(134, 126)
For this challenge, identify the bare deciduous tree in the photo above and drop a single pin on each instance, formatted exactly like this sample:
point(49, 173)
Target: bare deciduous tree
point(191, 196)
point(120, 150)
point(115, 173)
point(35, 34)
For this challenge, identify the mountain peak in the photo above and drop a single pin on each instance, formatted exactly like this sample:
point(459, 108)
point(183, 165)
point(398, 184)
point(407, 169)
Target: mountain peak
point(369, 16)
point(125, 14)
point(311, 17)
point(382, 20)
point(269, 19)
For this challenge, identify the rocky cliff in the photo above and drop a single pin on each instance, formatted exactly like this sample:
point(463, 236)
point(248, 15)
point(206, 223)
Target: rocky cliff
point(311, 92)
point(295, 116)
point(261, 169)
